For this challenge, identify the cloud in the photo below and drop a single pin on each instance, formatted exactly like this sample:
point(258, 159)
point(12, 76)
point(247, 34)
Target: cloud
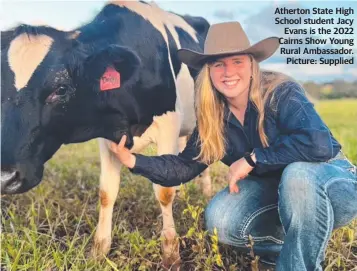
point(224, 14)
point(352, 71)
point(262, 24)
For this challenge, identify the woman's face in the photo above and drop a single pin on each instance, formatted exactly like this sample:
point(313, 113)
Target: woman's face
point(231, 75)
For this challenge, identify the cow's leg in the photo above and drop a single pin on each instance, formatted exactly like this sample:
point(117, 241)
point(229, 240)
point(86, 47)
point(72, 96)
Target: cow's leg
point(109, 187)
point(108, 191)
point(182, 143)
point(170, 245)
point(204, 180)
point(167, 143)
point(164, 131)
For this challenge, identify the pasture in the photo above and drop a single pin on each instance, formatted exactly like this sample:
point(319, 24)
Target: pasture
point(52, 226)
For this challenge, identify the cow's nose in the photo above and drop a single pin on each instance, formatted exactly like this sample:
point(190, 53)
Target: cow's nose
point(10, 181)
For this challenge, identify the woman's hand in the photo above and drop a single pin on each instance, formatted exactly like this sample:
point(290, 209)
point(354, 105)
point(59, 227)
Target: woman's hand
point(123, 153)
point(238, 171)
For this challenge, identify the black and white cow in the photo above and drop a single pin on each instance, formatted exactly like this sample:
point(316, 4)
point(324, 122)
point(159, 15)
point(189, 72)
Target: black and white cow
point(118, 74)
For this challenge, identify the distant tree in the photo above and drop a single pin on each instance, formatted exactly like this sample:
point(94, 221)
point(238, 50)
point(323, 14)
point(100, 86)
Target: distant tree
point(336, 89)
point(313, 89)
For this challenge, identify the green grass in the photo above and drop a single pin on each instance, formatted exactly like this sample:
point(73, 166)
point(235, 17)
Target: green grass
point(341, 118)
point(52, 226)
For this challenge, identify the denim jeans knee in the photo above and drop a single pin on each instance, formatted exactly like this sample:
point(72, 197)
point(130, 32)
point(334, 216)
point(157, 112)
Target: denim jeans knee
point(251, 212)
point(308, 206)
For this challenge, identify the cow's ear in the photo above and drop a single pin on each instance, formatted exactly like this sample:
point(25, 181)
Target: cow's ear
point(103, 69)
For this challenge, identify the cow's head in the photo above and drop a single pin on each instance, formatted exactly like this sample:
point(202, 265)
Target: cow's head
point(56, 90)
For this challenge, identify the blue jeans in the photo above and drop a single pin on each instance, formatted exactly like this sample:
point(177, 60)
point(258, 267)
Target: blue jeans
point(291, 218)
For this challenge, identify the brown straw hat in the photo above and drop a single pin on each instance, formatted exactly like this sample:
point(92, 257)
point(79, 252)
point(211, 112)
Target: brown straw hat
point(226, 39)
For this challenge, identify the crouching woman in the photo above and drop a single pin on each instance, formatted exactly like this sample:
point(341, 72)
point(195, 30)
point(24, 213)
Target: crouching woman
point(289, 184)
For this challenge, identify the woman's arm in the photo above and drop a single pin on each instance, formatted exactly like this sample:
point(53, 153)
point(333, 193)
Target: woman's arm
point(166, 170)
point(304, 136)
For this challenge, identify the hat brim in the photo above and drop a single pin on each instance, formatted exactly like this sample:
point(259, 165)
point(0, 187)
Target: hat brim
point(260, 51)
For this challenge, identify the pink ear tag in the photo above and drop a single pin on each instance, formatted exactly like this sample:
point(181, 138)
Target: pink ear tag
point(110, 79)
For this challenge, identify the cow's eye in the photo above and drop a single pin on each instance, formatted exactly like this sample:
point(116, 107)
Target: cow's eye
point(59, 95)
point(62, 90)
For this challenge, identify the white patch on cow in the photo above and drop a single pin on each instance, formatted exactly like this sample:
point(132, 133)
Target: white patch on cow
point(163, 131)
point(25, 54)
point(185, 100)
point(168, 132)
point(182, 143)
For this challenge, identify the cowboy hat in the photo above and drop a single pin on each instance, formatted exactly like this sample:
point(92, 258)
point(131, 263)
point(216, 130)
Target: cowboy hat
point(226, 39)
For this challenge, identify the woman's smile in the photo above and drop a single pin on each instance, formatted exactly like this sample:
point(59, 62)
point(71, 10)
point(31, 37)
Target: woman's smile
point(230, 84)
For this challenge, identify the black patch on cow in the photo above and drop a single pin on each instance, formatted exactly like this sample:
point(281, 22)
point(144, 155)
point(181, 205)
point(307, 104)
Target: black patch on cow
point(200, 24)
point(6, 38)
point(155, 90)
point(8, 90)
point(188, 43)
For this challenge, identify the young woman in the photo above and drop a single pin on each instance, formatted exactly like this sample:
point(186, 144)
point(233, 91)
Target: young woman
point(295, 184)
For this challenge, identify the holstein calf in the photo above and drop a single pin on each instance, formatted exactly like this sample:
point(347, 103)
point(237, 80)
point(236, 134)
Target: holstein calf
point(119, 74)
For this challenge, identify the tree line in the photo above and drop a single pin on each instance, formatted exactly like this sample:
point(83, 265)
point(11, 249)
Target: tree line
point(336, 89)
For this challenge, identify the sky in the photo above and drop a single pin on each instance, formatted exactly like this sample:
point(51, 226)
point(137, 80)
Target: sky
point(256, 17)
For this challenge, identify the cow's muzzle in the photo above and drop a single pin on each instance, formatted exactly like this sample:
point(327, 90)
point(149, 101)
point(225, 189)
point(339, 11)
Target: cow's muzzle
point(10, 181)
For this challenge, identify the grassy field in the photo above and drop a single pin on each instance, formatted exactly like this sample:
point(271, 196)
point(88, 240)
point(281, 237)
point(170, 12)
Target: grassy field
point(52, 226)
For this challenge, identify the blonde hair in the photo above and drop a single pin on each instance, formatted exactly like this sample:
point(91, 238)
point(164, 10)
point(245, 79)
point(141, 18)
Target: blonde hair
point(210, 106)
